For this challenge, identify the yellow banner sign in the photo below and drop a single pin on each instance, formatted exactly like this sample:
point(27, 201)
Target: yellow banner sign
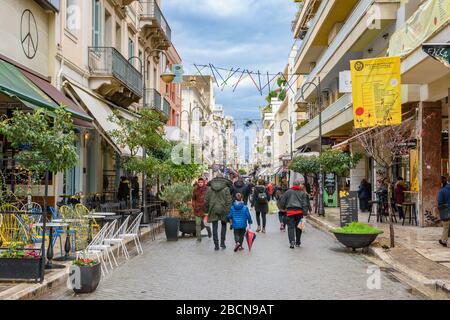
point(376, 92)
point(414, 169)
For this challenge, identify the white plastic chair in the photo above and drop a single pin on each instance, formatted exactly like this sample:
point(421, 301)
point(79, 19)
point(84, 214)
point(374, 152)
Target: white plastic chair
point(99, 245)
point(133, 233)
point(120, 240)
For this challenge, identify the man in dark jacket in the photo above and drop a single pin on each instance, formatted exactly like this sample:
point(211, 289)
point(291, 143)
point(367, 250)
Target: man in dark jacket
point(217, 205)
point(281, 212)
point(444, 206)
point(260, 200)
point(296, 203)
point(240, 187)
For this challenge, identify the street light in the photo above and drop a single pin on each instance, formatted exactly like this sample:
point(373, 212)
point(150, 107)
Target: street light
point(167, 76)
point(301, 104)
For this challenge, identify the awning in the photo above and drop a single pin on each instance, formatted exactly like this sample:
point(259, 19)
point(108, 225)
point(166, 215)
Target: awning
point(100, 111)
point(35, 92)
point(279, 170)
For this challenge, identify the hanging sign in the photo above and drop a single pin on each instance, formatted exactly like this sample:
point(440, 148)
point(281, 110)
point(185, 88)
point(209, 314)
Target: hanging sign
point(438, 51)
point(177, 69)
point(376, 92)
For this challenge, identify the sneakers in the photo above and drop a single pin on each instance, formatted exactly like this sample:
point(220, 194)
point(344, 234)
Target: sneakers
point(443, 243)
point(292, 245)
point(216, 248)
point(298, 244)
point(223, 246)
point(241, 248)
point(263, 230)
point(258, 229)
point(236, 248)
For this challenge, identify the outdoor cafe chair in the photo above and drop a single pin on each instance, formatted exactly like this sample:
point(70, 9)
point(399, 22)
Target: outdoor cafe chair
point(83, 211)
point(116, 238)
point(12, 230)
point(99, 244)
point(133, 233)
point(99, 254)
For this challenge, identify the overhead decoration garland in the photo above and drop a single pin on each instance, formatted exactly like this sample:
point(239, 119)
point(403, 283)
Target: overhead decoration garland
point(257, 77)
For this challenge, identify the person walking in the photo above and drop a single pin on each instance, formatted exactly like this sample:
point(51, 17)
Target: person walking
point(364, 195)
point(240, 218)
point(198, 204)
point(281, 212)
point(399, 192)
point(123, 192)
point(241, 187)
point(260, 201)
point(296, 203)
point(444, 210)
point(270, 190)
point(217, 206)
point(135, 191)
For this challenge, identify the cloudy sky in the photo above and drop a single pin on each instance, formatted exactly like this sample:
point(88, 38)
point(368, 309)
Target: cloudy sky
point(245, 34)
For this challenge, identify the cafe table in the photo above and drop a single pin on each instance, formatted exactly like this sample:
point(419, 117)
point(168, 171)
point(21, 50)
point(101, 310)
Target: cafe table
point(50, 265)
point(129, 211)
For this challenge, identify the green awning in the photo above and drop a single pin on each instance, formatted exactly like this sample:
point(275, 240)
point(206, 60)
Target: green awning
point(14, 84)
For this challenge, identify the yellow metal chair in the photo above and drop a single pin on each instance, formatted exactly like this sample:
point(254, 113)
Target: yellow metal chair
point(79, 227)
point(12, 230)
point(82, 212)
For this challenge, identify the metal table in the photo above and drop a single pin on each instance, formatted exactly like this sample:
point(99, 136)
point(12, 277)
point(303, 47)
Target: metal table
point(51, 225)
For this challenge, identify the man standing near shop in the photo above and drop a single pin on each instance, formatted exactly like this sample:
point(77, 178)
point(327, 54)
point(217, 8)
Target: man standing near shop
point(296, 204)
point(217, 205)
point(444, 210)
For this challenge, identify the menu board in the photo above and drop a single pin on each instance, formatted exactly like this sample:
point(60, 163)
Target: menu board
point(349, 208)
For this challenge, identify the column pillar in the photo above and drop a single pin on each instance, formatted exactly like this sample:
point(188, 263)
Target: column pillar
point(430, 129)
point(360, 172)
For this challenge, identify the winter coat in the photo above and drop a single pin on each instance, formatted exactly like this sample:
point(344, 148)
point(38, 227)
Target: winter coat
point(260, 207)
point(242, 188)
point(198, 200)
point(295, 199)
point(399, 189)
point(444, 197)
point(270, 188)
point(240, 215)
point(123, 192)
point(279, 194)
point(364, 191)
point(218, 199)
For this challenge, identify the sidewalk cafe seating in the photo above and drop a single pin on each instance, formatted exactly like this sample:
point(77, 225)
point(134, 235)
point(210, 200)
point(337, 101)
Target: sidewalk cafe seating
point(133, 233)
point(118, 238)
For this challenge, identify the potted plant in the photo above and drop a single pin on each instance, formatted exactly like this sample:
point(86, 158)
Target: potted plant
point(19, 263)
point(356, 235)
point(187, 219)
point(85, 275)
point(175, 195)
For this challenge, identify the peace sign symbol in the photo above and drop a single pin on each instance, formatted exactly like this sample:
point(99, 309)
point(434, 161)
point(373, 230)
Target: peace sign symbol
point(29, 34)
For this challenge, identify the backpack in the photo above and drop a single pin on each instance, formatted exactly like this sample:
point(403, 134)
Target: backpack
point(261, 197)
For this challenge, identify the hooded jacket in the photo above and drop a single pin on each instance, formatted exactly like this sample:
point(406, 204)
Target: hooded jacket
point(240, 215)
point(260, 207)
point(198, 200)
point(295, 201)
point(240, 187)
point(218, 199)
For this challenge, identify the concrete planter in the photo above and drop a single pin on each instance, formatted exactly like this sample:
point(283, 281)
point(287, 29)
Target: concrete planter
point(171, 227)
point(356, 241)
point(187, 227)
point(20, 269)
point(89, 279)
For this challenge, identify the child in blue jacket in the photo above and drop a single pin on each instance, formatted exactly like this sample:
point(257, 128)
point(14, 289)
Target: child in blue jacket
point(240, 216)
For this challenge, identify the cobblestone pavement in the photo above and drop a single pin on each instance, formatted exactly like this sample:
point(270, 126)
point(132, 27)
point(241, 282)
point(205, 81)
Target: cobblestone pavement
point(186, 269)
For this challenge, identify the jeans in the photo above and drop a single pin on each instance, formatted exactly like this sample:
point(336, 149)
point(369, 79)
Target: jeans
point(223, 232)
point(294, 233)
point(239, 235)
point(445, 230)
point(364, 204)
point(282, 217)
point(258, 218)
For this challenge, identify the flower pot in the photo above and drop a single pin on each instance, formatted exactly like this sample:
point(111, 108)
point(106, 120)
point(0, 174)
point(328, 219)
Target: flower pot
point(14, 269)
point(89, 278)
point(171, 227)
point(355, 241)
point(187, 226)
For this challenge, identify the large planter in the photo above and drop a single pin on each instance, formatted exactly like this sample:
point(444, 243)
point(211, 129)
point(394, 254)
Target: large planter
point(89, 278)
point(171, 227)
point(15, 269)
point(187, 227)
point(356, 241)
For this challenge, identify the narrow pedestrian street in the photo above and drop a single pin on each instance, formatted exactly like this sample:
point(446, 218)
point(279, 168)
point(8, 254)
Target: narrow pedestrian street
point(186, 269)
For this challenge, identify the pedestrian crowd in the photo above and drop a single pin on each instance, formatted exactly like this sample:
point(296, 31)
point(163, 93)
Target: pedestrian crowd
point(220, 201)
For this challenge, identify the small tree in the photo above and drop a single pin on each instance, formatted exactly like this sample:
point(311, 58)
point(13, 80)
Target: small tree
point(386, 144)
point(339, 162)
point(42, 139)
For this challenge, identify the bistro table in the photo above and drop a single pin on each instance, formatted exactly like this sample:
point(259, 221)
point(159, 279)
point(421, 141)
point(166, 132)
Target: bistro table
point(67, 244)
point(51, 225)
point(124, 212)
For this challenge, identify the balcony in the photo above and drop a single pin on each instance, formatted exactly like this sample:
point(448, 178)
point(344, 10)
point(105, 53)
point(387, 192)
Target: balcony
point(52, 5)
point(153, 23)
point(113, 77)
point(153, 99)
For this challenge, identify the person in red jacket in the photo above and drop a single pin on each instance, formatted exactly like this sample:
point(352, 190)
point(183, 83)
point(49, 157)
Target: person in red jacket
point(270, 190)
point(198, 204)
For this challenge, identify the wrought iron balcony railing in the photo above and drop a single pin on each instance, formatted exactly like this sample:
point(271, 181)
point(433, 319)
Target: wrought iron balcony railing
point(151, 10)
point(166, 108)
point(108, 61)
point(153, 99)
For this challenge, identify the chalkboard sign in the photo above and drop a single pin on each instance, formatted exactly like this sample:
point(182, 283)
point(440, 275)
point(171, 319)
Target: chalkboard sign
point(349, 208)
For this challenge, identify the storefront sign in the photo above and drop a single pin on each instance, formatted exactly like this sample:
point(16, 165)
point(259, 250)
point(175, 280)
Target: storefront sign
point(330, 192)
point(349, 208)
point(345, 82)
point(376, 92)
point(438, 51)
point(431, 16)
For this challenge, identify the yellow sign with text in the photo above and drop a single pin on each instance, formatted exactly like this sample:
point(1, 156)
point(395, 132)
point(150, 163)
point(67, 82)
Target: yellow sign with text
point(376, 92)
point(414, 169)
